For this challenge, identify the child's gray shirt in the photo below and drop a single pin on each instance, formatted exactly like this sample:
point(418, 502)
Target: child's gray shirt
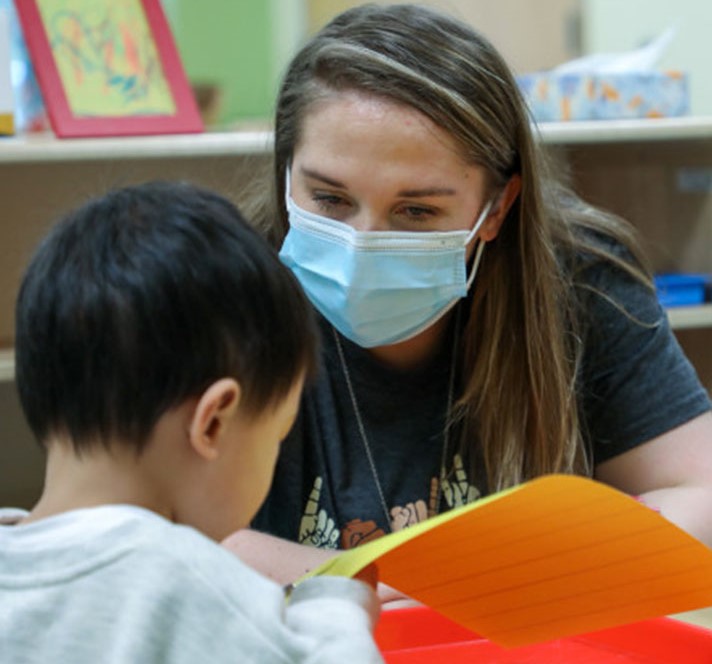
point(121, 584)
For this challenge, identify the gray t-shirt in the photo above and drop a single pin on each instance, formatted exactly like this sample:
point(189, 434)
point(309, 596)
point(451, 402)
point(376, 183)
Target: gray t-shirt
point(634, 384)
point(120, 584)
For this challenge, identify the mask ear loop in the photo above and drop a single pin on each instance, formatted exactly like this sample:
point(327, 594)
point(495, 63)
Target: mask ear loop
point(288, 185)
point(480, 244)
point(476, 264)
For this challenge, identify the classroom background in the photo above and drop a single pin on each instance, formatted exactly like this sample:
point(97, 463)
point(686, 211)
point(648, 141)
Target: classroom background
point(658, 174)
point(241, 47)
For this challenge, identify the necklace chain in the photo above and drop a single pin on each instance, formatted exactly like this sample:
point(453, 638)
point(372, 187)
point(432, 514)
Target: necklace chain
point(364, 437)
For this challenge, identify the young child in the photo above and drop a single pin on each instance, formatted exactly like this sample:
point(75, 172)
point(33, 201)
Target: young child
point(161, 351)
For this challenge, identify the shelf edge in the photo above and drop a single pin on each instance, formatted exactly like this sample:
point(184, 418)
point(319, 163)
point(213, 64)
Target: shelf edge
point(7, 366)
point(688, 318)
point(622, 131)
point(46, 148)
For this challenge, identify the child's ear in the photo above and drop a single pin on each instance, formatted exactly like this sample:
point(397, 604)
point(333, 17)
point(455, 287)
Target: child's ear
point(498, 213)
point(211, 416)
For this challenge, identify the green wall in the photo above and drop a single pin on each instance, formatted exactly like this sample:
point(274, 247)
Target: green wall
point(229, 43)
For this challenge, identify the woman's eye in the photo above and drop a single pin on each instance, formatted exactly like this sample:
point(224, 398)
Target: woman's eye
point(416, 213)
point(328, 202)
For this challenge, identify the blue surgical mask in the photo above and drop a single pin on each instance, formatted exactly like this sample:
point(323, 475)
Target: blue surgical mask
point(378, 287)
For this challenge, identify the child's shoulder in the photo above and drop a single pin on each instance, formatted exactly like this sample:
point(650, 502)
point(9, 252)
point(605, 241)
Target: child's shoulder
point(100, 537)
point(119, 561)
point(110, 545)
point(196, 563)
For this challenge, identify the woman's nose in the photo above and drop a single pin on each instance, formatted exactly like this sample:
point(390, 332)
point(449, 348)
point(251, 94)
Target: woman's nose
point(366, 221)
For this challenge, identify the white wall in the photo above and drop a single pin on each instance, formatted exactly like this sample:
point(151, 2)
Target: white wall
point(530, 34)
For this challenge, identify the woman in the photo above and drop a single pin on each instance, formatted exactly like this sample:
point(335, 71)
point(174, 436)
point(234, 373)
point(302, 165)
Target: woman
point(481, 324)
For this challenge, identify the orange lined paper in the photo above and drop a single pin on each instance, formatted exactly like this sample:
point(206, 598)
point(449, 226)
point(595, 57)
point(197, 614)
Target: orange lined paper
point(557, 556)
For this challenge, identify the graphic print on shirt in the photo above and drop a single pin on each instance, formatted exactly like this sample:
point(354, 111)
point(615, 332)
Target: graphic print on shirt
point(318, 529)
point(459, 491)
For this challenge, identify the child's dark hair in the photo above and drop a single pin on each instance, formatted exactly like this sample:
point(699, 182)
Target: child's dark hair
point(141, 299)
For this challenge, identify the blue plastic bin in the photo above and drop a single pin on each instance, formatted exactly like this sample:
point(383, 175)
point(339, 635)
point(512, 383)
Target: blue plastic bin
point(682, 290)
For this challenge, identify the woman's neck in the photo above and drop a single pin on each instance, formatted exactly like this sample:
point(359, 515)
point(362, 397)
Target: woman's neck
point(416, 351)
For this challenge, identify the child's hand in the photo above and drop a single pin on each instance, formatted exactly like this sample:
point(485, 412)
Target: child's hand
point(393, 599)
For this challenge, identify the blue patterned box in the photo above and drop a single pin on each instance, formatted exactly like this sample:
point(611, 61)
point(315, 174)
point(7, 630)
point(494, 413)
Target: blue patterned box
point(555, 97)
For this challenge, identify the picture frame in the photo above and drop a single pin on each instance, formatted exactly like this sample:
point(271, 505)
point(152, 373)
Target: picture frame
point(108, 68)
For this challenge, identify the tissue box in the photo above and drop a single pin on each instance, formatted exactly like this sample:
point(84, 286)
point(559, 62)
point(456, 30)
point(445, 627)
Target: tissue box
point(555, 97)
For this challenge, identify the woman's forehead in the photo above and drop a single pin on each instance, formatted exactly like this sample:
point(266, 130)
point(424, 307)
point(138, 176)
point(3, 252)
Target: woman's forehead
point(350, 122)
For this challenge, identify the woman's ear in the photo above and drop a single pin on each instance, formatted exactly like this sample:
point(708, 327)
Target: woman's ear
point(215, 408)
point(500, 208)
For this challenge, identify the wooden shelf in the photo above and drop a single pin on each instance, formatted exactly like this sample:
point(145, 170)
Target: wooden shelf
point(686, 318)
point(7, 365)
point(624, 131)
point(47, 148)
point(257, 140)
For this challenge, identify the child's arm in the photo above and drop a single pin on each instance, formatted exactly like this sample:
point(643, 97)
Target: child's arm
point(285, 562)
point(339, 616)
point(280, 560)
point(336, 614)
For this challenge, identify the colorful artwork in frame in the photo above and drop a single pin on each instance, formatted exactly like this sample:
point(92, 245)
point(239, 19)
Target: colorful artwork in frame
point(108, 67)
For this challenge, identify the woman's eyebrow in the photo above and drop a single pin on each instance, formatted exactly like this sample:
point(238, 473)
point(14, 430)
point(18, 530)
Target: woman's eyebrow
point(428, 191)
point(405, 193)
point(315, 175)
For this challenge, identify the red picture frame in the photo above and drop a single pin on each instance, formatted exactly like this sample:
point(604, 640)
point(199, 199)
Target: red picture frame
point(177, 111)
